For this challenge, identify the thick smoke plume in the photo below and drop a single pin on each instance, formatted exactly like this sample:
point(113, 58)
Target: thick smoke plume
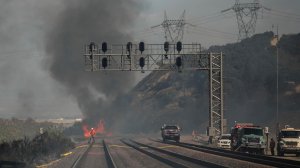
point(80, 23)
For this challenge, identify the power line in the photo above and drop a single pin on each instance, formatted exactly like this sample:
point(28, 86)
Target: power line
point(284, 15)
point(224, 16)
point(214, 30)
point(201, 18)
point(211, 34)
point(147, 32)
point(287, 13)
point(290, 18)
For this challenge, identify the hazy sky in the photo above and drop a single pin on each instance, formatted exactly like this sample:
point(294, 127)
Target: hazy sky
point(28, 90)
point(213, 27)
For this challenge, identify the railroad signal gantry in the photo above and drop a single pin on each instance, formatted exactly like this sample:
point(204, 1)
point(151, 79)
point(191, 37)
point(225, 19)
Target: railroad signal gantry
point(163, 57)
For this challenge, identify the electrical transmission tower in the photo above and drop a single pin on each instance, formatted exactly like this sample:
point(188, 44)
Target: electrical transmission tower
point(246, 14)
point(174, 29)
point(163, 57)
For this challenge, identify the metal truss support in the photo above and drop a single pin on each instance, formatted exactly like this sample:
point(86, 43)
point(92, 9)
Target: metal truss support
point(156, 57)
point(216, 93)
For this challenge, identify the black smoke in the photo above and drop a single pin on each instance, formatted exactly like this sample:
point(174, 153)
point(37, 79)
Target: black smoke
point(79, 23)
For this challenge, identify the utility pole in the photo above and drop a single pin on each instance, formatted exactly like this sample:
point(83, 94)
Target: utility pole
point(246, 15)
point(163, 57)
point(173, 29)
point(274, 42)
point(277, 83)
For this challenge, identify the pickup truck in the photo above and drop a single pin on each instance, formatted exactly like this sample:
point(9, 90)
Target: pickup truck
point(170, 132)
point(288, 142)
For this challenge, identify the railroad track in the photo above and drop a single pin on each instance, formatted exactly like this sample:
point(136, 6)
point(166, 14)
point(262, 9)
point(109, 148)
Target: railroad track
point(12, 164)
point(109, 160)
point(160, 155)
point(260, 159)
point(81, 157)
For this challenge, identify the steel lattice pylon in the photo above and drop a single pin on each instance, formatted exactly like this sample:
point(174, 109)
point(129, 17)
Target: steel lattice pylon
point(246, 15)
point(156, 58)
point(173, 29)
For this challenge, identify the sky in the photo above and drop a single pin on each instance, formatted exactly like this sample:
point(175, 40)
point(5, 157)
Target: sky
point(211, 26)
point(28, 86)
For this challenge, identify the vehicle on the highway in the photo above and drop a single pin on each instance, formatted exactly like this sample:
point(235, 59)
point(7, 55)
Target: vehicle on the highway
point(288, 142)
point(170, 132)
point(224, 141)
point(246, 137)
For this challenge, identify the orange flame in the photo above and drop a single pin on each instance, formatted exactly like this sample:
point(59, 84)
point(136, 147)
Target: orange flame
point(86, 131)
point(100, 129)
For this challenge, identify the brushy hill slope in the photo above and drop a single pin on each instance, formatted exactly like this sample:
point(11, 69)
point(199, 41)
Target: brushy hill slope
point(12, 129)
point(249, 84)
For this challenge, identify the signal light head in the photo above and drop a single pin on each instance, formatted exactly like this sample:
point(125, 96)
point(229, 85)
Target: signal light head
point(179, 46)
point(142, 62)
point(178, 62)
point(104, 62)
point(129, 46)
point(92, 46)
point(166, 46)
point(104, 47)
point(142, 47)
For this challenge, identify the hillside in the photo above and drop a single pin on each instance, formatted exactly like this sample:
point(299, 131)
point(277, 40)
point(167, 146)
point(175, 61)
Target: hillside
point(249, 84)
point(13, 129)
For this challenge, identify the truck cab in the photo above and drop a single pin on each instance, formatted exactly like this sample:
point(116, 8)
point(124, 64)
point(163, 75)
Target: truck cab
point(248, 138)
point(288, 142)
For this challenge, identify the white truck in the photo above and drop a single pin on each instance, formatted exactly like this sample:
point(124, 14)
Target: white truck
point(288, 142)
point(224, 141)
